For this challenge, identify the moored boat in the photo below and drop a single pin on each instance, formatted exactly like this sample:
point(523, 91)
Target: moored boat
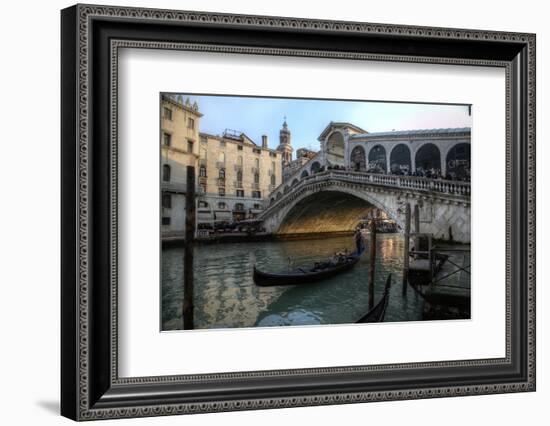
point(377, 313)
point(305, 275)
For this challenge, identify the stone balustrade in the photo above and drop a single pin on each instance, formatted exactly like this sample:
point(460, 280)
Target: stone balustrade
point(417, 183)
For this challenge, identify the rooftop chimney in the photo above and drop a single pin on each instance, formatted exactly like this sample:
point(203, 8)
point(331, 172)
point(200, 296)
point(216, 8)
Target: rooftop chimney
point(264, 141)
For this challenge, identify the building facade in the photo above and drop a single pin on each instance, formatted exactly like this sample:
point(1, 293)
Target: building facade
point(179, 136)
point(234, 175)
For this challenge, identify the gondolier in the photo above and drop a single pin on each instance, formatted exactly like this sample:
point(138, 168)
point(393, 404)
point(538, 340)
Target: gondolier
point(358, 240)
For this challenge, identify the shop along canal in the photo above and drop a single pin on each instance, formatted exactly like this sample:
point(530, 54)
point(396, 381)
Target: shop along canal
point(225, 295)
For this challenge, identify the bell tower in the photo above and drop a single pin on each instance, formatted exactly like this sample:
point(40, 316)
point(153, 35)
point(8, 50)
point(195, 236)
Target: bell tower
point(285, 146)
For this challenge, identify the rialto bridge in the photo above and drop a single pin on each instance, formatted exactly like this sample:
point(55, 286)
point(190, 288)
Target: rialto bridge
point(356, 171)
point(335, 201)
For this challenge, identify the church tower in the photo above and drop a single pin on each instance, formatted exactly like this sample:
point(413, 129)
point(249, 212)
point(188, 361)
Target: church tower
point(284, 144)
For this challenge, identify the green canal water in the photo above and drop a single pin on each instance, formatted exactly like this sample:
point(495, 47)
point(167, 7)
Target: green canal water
point(226, 296)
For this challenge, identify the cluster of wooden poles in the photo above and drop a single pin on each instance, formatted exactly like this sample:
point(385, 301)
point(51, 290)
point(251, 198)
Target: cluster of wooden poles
point(406, 249)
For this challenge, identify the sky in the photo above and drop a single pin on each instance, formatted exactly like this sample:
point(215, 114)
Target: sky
point(307, 118)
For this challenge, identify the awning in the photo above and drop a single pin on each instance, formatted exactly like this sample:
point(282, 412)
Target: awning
point(223, 215)
point(204, 216)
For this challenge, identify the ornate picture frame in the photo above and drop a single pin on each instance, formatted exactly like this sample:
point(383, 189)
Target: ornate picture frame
point(91, 37)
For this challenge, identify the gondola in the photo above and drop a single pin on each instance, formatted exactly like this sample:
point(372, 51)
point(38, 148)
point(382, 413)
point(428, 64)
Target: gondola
point(377, 313)
point(305, 275)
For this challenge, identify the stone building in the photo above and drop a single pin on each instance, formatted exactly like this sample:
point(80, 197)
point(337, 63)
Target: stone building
point(285, 144)
point(235, 176)
point(179, 148)
point(436, 153)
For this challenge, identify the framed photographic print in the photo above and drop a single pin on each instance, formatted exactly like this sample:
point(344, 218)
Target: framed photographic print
point(264, 212)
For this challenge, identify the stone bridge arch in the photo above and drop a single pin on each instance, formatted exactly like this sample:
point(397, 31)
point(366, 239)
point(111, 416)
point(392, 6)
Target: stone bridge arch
point(318, 200)
point(330, 207)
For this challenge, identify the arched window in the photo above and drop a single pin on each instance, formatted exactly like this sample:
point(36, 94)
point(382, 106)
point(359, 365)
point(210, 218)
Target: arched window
point(202, 171)
point(358, 160)
point(428, 160)
point(377, 160)
point(287, 188)
point(239, 207)
point(315, 167)
point(458, 162)
point(222, 174)
point(272, 200)
point(400, 159)
point(222, 206)
point(239, 175)
point(335, 149)
point(279, 195)
point(304, 174)
point(166, 171)
point(256, 178)
point(295, 182)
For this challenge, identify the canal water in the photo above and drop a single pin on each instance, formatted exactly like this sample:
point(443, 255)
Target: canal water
point(226, 296)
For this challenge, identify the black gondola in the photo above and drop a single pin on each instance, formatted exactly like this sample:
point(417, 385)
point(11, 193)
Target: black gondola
point(303, 275)
point(377, 313)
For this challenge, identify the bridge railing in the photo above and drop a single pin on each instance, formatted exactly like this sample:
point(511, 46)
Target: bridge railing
point(405, 182)
point(408, 182)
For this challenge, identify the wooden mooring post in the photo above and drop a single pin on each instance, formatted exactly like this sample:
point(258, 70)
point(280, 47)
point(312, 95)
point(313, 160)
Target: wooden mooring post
point(372, 267)
point(416, 225)
point(416, 218)
point(406, 246)
point(190, 218)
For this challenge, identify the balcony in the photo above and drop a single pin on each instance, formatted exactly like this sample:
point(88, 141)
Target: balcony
point(221, 181)
point(202, 162)
point(255, 186)
point(220, 164)
point(238, 184)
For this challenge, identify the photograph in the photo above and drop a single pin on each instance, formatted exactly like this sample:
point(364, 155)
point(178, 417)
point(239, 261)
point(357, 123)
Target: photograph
point(265, 208)
point(282, 212)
